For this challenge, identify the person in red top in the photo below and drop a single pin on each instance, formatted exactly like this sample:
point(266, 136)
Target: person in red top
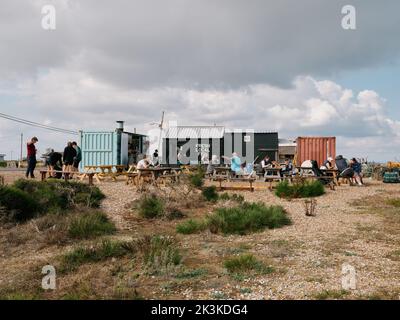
point(31, 157)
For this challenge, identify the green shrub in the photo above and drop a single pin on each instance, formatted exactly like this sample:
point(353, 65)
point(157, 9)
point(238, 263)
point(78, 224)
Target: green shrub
point(245, 264)
point(90, 224)
point(196, 180)
point(55, 196)
point(105, 250)
point(17, 205)
point(246, 218)
point(190, 226)
point(224, 196)
point(151, 206)
point(160, 254)
point(234, 197)
point(3, 164)
point(210, 193)
point(237, 197)
point(300, 190)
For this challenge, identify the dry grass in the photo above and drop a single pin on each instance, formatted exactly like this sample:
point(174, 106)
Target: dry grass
point(353, 225)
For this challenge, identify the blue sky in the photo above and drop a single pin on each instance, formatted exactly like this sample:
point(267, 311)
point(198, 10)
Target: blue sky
point(270, 65)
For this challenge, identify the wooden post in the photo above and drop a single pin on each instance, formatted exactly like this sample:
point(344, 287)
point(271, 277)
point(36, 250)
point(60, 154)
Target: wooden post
point(90, 176)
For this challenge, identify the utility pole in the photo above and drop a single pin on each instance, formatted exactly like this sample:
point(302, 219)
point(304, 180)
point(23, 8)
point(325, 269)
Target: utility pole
point(20, 156)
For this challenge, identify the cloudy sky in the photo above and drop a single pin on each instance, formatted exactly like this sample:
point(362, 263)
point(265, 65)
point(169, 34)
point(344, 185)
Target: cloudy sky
point(283, 65)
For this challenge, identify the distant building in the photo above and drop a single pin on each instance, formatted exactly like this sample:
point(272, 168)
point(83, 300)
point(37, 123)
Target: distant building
point(198, 144)
point(287, 149)
point(2, 156)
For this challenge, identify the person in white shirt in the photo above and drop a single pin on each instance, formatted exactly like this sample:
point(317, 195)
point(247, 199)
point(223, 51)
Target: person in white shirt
point(143, 164)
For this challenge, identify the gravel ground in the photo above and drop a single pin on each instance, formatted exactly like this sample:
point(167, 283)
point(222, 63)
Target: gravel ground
point(308, 255)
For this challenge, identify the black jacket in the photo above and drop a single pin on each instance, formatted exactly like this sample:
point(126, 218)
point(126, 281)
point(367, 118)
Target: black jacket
point(69, 154)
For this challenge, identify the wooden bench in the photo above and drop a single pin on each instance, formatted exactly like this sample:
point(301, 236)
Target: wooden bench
point(221, 187)
point(270, 179)
point(66, 174)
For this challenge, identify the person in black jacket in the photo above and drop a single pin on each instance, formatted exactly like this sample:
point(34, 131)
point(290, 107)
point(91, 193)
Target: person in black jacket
point(68, 157)
point(345, 171)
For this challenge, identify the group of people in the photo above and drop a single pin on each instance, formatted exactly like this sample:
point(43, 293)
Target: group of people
point(351, 169)
point(285, 168)
point(56, 162)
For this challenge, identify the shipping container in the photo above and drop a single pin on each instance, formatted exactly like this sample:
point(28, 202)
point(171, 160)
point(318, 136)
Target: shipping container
point(315, 148)
point(111, 147)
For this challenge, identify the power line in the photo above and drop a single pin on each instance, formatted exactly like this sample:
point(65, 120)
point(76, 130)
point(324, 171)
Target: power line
point(36, 124)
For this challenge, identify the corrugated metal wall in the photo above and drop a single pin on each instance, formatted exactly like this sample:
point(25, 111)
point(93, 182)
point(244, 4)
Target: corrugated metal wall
point(315, 148)
point(99, 148)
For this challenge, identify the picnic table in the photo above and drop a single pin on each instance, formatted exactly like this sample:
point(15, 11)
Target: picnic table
point(67, 174)
point(272, 174)
point(153, 174)
point(331, 174)
point(102, 171)
point(221, 172)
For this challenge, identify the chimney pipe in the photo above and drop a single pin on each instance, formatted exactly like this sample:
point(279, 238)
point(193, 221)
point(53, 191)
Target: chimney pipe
point(120, 125)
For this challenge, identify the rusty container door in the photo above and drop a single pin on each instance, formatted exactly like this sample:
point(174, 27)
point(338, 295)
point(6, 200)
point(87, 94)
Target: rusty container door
point(315, 148)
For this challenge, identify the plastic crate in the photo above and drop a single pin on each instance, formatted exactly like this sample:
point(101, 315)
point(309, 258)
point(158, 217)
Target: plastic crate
point(391, 177)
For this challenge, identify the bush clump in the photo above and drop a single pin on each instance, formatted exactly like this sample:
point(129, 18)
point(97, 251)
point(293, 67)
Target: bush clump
point(89, 225)
point(160, 254)
point(303, 189)
point(17, 206)
point(26, 199)
point(242, 219)
point(55, 195)
point(196, 178)
point(234, 197)
point(245, 264)
point(190, 226)
point(246, 218)
point(151, 206)
point(210, 193)
point(87, 254)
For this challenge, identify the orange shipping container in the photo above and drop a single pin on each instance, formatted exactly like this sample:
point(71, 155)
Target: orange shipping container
point(315, 148)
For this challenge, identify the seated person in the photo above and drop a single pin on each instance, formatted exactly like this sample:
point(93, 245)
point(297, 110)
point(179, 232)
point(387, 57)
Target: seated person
point(328, 164)
point(143, 164)
point(236, 163)
point(266, 162)
point(287, 167)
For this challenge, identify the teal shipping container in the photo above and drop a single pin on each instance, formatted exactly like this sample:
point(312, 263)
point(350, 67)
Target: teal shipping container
point(111, 147)
point(99, 148)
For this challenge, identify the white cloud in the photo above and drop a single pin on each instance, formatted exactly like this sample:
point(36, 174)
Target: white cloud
point(74, 99)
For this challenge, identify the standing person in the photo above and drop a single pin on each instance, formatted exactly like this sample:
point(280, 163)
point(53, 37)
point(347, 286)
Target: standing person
point(68, 157)
point(31, 157)
point(78, 157)
point(357, 168)
point(155, 158)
